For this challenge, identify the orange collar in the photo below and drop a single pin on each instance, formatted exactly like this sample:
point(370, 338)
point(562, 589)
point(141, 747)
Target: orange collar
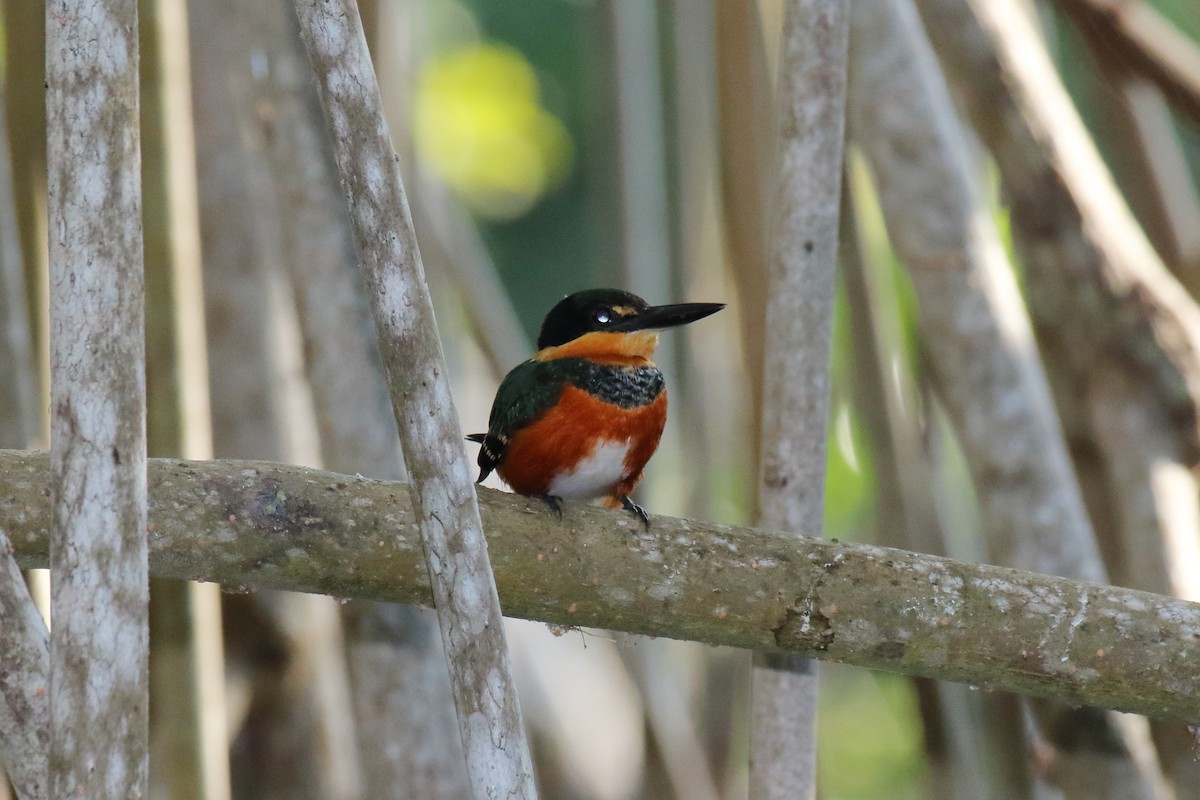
point(607, 348)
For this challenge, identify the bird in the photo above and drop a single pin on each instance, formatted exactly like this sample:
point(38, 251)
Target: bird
point(580, 419)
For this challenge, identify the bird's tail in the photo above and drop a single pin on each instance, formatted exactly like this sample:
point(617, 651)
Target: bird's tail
point(485, 469)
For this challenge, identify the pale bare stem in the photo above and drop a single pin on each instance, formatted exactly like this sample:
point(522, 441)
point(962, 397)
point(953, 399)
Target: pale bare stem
point(799, 322)
point(489, 716)
point(973, 740)
point(24, 682)
point(748, 132)
point(24, 642)
point(703, 384)
point(235, 244)
point(295, 739)
point(18, 388)
point(985, 361)
point(185, 721)
point(452, 242)
point(1137, 33)
point(408, 739)
point(25, 97)
point(99, 645)
point(1150, 163)
point(257, 525)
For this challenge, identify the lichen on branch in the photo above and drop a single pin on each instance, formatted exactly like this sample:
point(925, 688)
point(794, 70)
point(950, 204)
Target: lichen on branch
point(256, 525)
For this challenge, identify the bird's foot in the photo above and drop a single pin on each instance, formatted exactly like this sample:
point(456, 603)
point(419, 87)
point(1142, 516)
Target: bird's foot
point(553, 501)
point(636, 510)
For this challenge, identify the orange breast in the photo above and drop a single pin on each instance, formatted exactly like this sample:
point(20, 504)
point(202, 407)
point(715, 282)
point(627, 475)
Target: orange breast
point(568, 433)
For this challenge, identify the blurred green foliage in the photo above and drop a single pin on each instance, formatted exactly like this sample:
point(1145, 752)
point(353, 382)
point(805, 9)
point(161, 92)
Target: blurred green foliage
point(870, 734)
point(564, 240)
point(850, 473)
point(480, 125)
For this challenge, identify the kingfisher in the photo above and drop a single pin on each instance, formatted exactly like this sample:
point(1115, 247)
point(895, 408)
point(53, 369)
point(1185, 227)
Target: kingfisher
point(580, 419)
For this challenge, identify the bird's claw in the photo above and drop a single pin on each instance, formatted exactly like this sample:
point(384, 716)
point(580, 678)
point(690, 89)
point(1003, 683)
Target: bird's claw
point(637, 511)
point(553, 501)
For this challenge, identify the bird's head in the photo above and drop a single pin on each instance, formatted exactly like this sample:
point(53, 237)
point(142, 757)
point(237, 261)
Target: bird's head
point(613, 311)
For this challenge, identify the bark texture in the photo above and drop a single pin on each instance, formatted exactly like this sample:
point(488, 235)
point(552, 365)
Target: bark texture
point(99, 645)
point(799, 324)
point(489, 716)
point(257, 525)
point(408, 738)
point(24, 683)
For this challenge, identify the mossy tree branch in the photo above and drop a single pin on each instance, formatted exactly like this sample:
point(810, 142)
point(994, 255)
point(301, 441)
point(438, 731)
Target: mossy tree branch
point(255, 525)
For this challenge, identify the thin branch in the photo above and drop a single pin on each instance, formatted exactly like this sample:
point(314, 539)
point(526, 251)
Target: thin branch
point(1150, 161)
point(985, 755)
point(407, 734)
point(257, 525)
point(1140, 35)
point(489, 716)
point(747, 131)
point(189, 750)
point(799, 327)
point(803, 265)
point(24, 641)
point(18, 393)
point(100, 641)
point(972, 316)
point(24, 682)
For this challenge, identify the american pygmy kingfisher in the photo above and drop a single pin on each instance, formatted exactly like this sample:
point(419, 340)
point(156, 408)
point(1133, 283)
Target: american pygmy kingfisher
point(582, 417)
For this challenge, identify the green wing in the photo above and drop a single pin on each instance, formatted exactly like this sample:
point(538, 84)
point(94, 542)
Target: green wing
point(524, 394)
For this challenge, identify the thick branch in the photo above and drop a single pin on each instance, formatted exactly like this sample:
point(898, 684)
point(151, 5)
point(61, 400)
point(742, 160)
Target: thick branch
point(255, 525)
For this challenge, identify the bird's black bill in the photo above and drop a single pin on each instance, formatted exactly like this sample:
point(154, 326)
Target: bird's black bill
point(658, 317)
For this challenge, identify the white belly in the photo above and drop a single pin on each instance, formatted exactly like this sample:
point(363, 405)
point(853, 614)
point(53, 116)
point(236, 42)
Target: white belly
point(595, 475)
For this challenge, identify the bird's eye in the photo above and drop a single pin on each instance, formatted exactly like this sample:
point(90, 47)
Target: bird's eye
point(603, 316)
